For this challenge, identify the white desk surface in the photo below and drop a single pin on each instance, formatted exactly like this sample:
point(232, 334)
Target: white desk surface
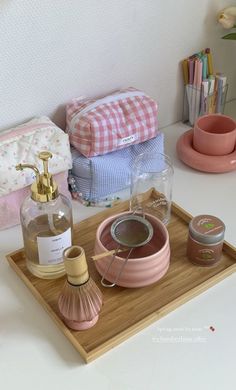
point(177, 352)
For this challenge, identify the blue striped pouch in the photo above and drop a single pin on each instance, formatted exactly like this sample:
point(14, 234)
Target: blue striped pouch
point(95, 178)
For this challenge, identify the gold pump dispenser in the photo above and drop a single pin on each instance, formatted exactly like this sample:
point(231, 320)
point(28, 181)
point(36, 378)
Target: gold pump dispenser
point(44, 188)
point(46, 221)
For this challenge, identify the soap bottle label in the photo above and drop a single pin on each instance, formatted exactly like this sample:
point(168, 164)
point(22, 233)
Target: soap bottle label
point(50, 249)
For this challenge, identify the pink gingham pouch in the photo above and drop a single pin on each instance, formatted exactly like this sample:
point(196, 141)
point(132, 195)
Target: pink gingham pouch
point(100, 126)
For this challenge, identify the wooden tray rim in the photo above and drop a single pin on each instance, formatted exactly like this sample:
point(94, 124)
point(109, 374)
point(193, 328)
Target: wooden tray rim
point(141, 324)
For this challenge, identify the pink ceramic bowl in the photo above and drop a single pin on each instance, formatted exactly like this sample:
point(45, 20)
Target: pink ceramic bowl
point(147, 264)
point(214, 135)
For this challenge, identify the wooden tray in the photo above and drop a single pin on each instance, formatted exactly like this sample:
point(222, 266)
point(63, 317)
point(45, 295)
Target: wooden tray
point(127, 311)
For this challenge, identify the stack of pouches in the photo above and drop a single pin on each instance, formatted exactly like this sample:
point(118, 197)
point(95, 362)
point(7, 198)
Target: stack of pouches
point(106, 136)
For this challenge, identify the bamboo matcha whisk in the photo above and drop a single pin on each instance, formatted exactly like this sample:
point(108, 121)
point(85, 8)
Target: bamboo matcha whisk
point(80, 300)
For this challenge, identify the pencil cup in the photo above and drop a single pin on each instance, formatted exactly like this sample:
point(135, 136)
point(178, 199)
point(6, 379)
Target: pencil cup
point(196, 104)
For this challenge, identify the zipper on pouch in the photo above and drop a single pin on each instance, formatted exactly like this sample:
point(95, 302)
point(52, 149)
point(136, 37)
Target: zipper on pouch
point(107, 99)
point(8, 135)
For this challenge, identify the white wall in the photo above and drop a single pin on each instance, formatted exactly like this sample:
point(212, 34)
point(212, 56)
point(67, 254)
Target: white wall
point(53, 50)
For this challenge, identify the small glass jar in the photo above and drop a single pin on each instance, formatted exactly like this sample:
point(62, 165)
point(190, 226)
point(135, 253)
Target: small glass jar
point(152, 179)
point(205, 240)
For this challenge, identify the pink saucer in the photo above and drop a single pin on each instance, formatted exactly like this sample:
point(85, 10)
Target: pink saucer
point(203, 162)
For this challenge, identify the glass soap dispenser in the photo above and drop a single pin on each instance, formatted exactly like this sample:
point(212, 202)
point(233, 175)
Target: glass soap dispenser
point(46, 219)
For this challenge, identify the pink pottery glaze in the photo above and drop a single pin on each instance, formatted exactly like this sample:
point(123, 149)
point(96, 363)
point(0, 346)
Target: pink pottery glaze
point(75, 325)
point(80, 305)
point(147, 264)
point(202, 162)
point(214, 135)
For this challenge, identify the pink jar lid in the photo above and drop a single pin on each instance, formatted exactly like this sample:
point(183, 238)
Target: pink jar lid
point(207, 229)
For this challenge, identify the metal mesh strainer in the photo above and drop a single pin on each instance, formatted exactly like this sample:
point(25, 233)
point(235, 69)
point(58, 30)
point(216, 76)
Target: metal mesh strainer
point(131, 231)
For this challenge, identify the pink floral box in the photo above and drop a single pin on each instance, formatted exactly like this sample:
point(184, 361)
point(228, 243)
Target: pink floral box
point(10, 204)
point(22, 144)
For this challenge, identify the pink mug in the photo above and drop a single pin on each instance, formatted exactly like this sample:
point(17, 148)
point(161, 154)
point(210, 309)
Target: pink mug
point(214, 135)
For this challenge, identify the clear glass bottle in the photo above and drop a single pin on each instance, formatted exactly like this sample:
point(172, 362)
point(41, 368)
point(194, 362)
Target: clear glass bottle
point(46, 219)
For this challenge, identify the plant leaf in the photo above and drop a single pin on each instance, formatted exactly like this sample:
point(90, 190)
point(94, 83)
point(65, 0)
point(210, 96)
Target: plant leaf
point(231, 36)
